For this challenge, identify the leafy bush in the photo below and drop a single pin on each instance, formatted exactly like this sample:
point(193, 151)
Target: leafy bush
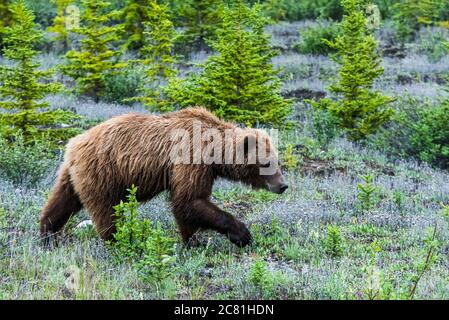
point(312, 39)
point(289, 159)
point(131, 233)
point(412, 14)
point(431, 42)
point(325, 126)
point(124, 85)
point(294, 10)
point(156, 264)
point(269, 237)
point(44, 10)
point(150, 249)
point(430, 139)
point(25, 163)
point(419, 129)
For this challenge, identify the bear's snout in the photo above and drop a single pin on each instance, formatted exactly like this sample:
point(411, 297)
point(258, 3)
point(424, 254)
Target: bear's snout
point(282, 188)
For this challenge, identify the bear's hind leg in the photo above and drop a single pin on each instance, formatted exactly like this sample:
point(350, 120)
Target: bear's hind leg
point(61, 205)
point(102, 218)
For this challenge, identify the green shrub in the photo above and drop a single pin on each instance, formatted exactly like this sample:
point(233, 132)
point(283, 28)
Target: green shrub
point(325, 126)
point(138, 242)
point(333, 244)
point(157, 262)
point(270, 237)
point(25, 163)
point(289, 159)
point(312, 39)
point(124, 85)
point(430, 139)
point(131, 233)
point(430, 254)
point(412, 14)
point(44, 10)
point(294, 10)
point(432, 43)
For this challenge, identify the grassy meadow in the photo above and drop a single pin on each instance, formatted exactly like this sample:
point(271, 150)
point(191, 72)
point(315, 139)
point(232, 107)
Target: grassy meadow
point(360, 220)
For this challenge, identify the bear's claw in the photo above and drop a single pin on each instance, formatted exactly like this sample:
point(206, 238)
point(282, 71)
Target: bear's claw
point(241, 237)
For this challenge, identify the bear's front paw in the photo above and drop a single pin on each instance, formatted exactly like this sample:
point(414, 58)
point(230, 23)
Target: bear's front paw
point(241, 235)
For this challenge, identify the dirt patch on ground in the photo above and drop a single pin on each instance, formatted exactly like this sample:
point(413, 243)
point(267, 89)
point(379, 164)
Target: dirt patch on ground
point(302, 94)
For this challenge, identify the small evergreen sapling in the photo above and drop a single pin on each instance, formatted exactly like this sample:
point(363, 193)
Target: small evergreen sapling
point(333, 243)
point(367, 194)
point(261, 278)
point(96, 57)
point(358, 108)
point(23, 86)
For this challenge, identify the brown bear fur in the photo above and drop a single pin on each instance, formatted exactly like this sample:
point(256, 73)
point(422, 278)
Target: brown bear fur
point(102, 163)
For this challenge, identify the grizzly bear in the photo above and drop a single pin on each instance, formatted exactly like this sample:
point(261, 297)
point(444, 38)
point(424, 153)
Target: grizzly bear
point(143, 150)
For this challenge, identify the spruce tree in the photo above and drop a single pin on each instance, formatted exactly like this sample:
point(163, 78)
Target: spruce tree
point(59, 27)
point(135, 14)
point(237, 83)
point(358, 108)
point(5, 13)
point(23, 86)
point(5, 17)
point(96, 56)
point(157, 54)
point(200, 19)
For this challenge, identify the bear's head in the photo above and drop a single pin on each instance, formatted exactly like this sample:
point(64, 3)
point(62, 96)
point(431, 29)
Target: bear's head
point(256, 162)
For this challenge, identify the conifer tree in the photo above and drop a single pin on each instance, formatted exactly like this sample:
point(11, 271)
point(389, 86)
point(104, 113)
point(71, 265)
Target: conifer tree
point(23, 86)
point(358, 108)
point(59, 27)
point(135, 14)
point(237, 83)
point(96, 56)
point(5, 13)
point(5, 16)
point(157, 53)
point(201, 19)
